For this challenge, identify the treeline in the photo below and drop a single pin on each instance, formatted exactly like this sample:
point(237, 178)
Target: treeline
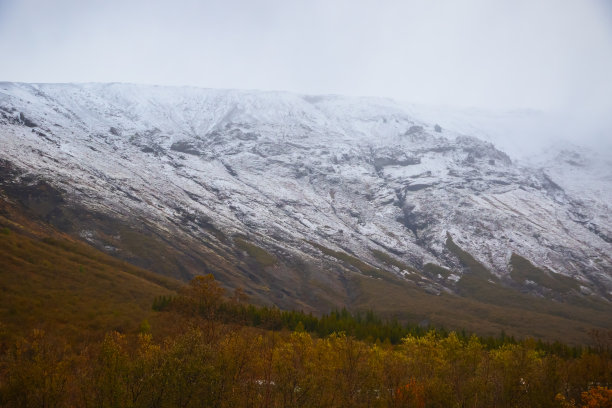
point(202, 361)
point(363, 326)
point(367, 326)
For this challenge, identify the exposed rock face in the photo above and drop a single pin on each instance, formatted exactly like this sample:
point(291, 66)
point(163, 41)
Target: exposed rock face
point(350, 174)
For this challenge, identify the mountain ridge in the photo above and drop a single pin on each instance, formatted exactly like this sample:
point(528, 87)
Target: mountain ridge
point(353, 175)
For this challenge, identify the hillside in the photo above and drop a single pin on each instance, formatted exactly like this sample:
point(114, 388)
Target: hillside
point(314, 203)
point(52, 282)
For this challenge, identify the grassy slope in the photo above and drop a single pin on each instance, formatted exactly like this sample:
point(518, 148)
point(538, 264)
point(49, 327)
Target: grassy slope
point(523, 270)
point(484, 305)
point(487, 305)
point(260, 255)
point(540, 319)
point(53, 282)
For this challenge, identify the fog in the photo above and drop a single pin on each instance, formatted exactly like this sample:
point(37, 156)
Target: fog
point(548, 56)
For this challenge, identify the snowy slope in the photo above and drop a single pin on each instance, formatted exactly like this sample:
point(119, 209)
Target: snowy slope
point(352, 174)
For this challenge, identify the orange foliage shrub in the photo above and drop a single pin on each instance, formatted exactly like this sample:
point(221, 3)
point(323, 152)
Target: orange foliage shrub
point(597, 397)
point(411, 395)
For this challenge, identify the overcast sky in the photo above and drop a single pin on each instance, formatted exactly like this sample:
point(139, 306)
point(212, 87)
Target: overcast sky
point(553, 55)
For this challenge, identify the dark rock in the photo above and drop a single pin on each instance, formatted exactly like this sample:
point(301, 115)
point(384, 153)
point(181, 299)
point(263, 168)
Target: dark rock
point(230, 170)
point(416, 187)
point(239, 134)
point(414, 129)
point(26, 121)
point(380, 162)
point(185, 147)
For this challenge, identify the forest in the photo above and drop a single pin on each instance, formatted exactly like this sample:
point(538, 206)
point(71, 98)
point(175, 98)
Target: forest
point(208, 349)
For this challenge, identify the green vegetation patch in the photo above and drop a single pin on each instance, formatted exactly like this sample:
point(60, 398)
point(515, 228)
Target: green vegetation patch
point(467, 259)
point(261, 256)
point(478, 282)
point(523, 270)
point(389, 260)
point(363, 267)
point(435, 270)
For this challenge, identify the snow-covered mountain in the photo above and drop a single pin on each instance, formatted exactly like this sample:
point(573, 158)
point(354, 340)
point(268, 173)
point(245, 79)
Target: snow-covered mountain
point(292, 174)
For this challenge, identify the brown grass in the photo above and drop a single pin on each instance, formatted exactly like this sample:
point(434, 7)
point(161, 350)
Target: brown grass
point(65, 286)
point(261, 256)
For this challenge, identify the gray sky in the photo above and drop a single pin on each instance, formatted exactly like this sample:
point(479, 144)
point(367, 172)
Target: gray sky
point(541, 54)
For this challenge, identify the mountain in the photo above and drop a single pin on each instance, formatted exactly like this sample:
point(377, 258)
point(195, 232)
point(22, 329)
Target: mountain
point(315, 202)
